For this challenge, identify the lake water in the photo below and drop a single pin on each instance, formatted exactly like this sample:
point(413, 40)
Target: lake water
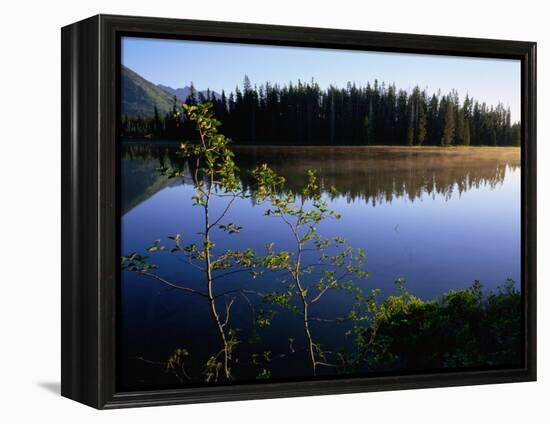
point(439, 218)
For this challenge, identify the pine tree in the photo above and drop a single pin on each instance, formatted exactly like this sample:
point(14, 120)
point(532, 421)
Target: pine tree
point(460, 121)
point(157, 124)
point(192, 96)
point(421, 130)
point(433, 120)
point(516, 134)
point(467, 139)
point(411, 119)
point(447, 112)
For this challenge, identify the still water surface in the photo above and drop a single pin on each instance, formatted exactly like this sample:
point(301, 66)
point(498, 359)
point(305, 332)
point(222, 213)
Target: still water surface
point(439, 218)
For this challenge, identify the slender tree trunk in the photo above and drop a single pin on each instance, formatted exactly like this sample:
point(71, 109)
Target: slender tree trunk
point(210, 290)
point(311, 345)
point(305, 313)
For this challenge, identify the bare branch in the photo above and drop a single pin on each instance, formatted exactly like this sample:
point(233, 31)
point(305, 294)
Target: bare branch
point(250, 305)
point(329, 321)
point(239, 291)
point(173, 285)
point(189, 261)
point(236, 271)
point(325, 364)
point(163, 364)
point(228, 310)
point(222, 214)
point(238, 194)
point(344, 275)
point(321, 293)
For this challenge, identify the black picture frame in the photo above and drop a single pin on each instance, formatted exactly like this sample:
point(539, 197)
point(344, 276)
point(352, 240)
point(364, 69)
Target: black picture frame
point(90, 210)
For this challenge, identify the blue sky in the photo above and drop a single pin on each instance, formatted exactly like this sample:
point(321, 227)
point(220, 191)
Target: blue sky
point(223, 65)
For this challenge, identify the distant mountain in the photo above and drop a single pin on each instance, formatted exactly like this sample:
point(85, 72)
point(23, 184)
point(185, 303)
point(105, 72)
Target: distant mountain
point(139, 96)
point(183, 93)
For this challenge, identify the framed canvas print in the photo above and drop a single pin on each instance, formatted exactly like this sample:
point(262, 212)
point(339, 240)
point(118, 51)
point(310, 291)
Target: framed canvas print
point(255, 211)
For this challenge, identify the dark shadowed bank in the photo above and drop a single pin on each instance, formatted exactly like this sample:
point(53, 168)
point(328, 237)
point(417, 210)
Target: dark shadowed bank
point(464, 328)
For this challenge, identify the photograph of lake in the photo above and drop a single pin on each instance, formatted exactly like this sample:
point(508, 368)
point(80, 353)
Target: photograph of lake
point(299, 213)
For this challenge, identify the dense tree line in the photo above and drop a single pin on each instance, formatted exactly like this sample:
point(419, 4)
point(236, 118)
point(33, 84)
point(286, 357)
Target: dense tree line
point(304, 114)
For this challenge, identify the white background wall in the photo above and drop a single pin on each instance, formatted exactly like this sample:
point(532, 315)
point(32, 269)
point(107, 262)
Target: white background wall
point(30, 225)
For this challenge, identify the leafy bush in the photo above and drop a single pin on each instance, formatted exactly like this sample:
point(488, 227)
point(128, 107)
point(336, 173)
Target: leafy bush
point(464, 328)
